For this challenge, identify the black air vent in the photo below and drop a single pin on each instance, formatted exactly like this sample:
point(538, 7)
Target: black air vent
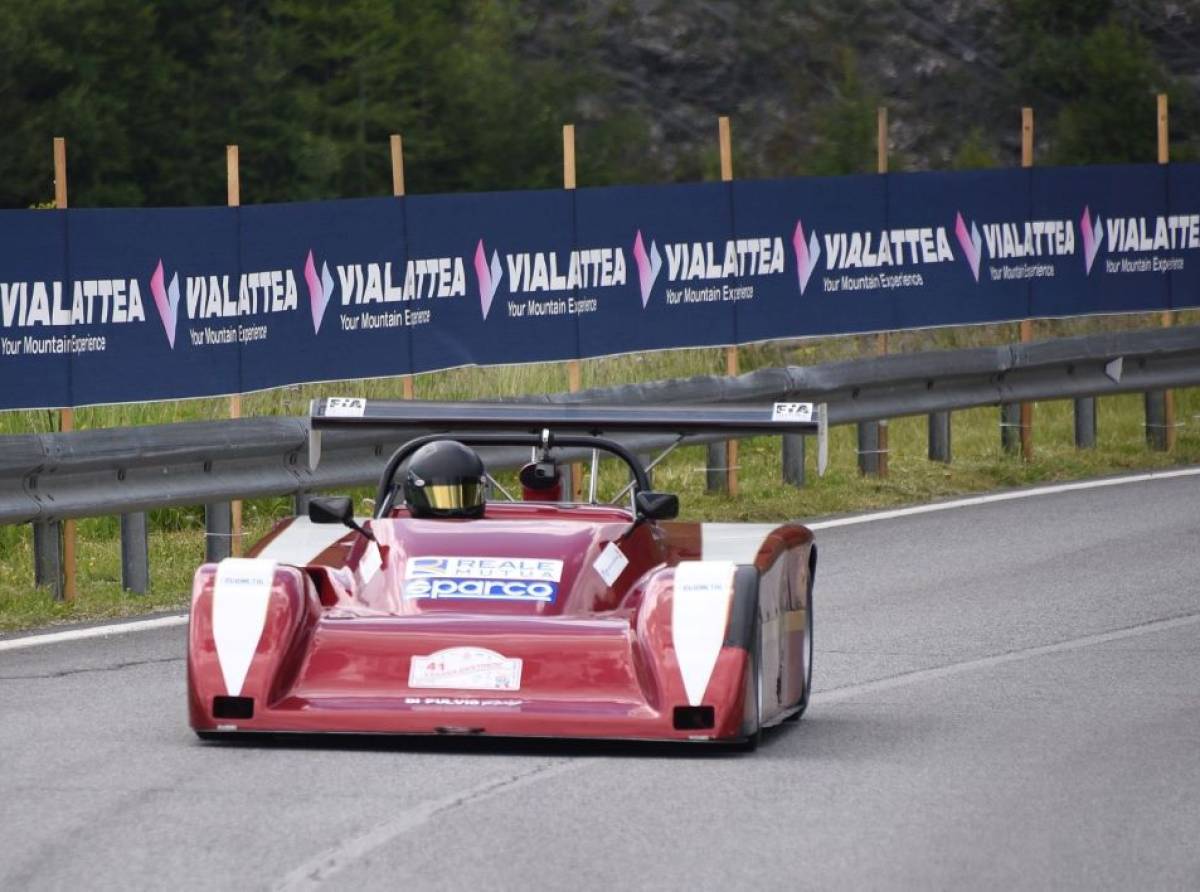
point(233, 707)
point(694, 718)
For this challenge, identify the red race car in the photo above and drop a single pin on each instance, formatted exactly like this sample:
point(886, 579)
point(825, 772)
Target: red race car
point(452, 613)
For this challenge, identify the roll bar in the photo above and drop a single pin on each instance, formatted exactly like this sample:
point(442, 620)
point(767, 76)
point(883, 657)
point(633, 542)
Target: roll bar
point(547, 440)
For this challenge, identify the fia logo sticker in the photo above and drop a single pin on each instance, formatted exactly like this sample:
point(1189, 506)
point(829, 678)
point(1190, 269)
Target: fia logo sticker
point(345, 407)
point(792, 412)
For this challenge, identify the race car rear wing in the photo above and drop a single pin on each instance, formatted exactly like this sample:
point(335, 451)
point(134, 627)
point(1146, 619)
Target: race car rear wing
point(684, 421)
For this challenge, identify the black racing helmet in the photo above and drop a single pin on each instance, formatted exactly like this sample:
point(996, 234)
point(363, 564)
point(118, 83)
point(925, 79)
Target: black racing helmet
point(445, 479)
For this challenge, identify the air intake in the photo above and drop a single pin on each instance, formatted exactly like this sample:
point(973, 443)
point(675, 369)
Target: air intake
point(694, 718)
point(233, 707)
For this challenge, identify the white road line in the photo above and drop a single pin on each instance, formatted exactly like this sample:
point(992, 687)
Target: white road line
point(849, 692)
point(320, 868)
point(316, 870)
point(142, 625)
point(891, 514)
point(740, 542)
point(971, 501)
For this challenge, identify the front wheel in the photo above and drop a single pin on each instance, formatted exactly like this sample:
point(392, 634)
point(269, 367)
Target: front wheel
point(806, 655)
point(752, 715)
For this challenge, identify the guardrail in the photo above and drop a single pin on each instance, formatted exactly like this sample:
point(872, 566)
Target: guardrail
point(45, 478)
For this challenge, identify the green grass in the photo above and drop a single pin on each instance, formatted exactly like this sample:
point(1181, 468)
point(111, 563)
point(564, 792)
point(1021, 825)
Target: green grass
point(177, 534)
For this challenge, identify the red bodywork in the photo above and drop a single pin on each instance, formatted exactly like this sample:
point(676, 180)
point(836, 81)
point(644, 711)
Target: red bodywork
point(599, 661)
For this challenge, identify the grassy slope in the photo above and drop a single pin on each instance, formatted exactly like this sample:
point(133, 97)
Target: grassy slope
point(176, 538)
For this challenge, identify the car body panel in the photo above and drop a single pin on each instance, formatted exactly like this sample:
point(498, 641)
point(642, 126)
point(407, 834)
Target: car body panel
point(334, 641)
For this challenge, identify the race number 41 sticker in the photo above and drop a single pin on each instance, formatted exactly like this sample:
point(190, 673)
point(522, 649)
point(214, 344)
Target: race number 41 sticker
point(792, 412)
point(465, 668)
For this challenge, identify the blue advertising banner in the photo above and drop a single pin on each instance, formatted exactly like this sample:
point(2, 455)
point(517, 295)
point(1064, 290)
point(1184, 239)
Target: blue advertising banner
point(109, 306)
point(501, 280)
point(326, 284)
point(659, 294)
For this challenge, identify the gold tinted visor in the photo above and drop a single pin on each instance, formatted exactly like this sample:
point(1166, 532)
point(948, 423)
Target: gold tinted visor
point(448, 496)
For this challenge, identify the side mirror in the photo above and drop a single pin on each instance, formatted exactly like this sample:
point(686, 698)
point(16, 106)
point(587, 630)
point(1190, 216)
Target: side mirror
point(334, 509)
point(657, 505)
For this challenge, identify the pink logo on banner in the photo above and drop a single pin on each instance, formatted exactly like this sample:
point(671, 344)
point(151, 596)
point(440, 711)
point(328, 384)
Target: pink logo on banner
point(167, 300)
point(970, 242)
point(319, 290)
point(649, 266)
point(1093, 235)
point(807, 254)
point(489, 277)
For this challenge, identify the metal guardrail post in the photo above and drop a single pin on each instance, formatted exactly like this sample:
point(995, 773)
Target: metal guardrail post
point(868, 447)
point(300, 502)
point(881, 340)
point(1165, 443)
point(793, 459)
point(135, 553)
point(645, 458)
point(47, 557)
point(939, 437)
point(1085, 422)
point(1156, 420)
point(45, 477)
point(1010, 427)
point(218, 531)
point(714, 472)
point(566, 481)
point(570, 482)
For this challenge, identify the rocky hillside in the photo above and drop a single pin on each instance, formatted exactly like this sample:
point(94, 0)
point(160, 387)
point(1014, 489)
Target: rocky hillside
point(953, 74)
point(148, 95)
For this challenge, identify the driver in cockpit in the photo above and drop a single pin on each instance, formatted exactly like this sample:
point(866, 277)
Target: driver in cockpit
point(445, 479)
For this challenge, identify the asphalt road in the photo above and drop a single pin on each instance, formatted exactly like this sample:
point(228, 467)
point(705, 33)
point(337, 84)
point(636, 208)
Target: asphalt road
point(1008, 696)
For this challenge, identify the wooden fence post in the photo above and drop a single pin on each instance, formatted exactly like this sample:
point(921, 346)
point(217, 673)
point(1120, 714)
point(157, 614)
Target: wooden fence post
point(1085, 422)
point(574, 369)
point(233, 190)
point(729, 480)
point(1027, 324)
point(66, 416)
point(406, 381)
point(873, 444)
point(1160, 404)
